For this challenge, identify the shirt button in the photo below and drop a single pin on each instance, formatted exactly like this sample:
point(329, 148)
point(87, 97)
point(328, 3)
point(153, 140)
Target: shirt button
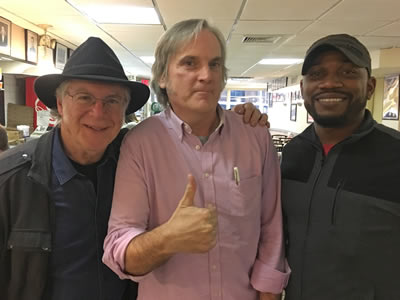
point(214, 267)
point(197, 147)
point(206, 175)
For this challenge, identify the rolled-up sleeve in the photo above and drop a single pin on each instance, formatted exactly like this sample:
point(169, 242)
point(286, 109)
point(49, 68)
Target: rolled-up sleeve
point(130, 209)
point(270, 271)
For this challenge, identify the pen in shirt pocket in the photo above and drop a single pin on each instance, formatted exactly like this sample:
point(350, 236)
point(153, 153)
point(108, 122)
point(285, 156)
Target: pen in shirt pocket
point(236, 175)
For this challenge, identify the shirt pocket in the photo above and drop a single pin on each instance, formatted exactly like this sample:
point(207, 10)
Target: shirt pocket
point(245, 197)
point(29, 241)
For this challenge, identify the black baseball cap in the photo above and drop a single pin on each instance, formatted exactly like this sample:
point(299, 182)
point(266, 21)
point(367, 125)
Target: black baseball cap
point(352, 48)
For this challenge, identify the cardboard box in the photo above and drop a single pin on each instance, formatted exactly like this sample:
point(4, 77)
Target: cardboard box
point(14, 135)
point(19, 115)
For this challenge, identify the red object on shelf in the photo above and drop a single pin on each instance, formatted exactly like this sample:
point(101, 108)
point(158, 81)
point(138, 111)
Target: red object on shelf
point(32, 100)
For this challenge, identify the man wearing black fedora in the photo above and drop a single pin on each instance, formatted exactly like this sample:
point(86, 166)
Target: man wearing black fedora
point(56, 191)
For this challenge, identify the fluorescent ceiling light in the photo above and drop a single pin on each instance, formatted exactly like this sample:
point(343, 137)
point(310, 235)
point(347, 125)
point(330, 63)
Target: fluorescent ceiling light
point(280, 61)
point(118, 14)
point(148, 59)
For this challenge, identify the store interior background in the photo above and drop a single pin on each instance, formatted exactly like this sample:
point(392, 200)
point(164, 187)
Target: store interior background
point(254, 30)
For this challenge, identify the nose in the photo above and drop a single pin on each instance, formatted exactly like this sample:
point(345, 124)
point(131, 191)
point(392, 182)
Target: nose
point(205, 73)
point(98, 108)
point(331, 81)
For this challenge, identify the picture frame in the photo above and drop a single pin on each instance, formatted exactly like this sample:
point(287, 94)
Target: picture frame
point(61, 55)
point(309, 119)
point(293, 112)
point(70, 51)
point(31, 46)
point(390, 109)
point(5, 36)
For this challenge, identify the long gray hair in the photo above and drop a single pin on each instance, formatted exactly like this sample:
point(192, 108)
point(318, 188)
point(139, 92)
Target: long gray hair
point(172, 40)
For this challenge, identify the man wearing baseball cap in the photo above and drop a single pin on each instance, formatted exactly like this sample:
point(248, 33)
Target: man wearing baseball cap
point(340, 183)
point(56, 191)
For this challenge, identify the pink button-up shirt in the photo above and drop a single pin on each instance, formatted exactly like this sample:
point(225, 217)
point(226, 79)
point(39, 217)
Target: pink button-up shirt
point(156, 157)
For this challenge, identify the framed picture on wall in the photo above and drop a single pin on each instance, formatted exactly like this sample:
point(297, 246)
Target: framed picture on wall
point(31, 46)
point(61, 56)
point(5, 36)
point(309, 118)
point(390, 109)
point(293, 112)
point(70, 51)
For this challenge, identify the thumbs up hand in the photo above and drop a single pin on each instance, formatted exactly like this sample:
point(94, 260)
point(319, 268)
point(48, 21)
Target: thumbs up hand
point(192, 229)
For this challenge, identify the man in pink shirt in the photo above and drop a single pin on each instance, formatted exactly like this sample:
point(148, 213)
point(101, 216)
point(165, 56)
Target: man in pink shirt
point(196, 211)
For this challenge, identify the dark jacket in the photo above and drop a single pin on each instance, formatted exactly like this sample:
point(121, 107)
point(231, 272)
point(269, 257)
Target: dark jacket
point(342, 215)
point(27, 218)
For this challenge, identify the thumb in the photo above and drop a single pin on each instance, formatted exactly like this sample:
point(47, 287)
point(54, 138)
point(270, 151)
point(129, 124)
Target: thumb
point(190, 191)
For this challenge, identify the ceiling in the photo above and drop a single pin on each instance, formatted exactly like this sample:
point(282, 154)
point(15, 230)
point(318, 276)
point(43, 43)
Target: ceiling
point(295, 24)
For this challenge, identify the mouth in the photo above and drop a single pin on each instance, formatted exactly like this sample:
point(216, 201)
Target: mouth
point(331, 98)
point(203, 92)
point(95, 128)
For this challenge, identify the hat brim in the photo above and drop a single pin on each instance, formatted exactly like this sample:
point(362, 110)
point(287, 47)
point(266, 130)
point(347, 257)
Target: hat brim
point(46, 85)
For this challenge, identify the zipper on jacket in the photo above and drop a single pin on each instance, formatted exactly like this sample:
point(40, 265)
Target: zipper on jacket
point(339, 187)
point(322, 161)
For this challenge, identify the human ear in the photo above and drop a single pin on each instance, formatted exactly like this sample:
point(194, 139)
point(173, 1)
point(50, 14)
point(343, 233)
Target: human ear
point(59, 106)
point(371, 83)
point(162, 82)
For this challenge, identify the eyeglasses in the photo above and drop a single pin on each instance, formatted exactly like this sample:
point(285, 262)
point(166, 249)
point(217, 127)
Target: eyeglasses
point(88, 100)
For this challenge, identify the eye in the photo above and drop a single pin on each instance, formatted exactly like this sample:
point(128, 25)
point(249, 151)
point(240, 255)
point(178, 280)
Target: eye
point(112, 101)
point(215, 64)
point(314, 74)
point(350, 72)
point(188, 62)
point(82, 97)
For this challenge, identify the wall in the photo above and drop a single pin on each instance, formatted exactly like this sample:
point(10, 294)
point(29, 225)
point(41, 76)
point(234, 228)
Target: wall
point(279, 113)
point(14, 91)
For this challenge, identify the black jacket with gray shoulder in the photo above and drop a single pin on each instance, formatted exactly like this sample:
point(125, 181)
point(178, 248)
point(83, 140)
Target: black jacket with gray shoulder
point(342, 215)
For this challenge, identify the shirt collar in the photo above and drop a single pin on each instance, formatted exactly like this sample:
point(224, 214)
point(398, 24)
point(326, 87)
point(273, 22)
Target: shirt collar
point(62, 166)
point(181, 128)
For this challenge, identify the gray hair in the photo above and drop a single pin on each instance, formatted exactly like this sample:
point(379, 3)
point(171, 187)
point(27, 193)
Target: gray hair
point(173, 39)
point(60, 92)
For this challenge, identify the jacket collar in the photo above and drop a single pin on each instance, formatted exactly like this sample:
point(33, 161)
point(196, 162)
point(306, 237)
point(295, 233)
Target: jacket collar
point(40, 170)
point(367, 125)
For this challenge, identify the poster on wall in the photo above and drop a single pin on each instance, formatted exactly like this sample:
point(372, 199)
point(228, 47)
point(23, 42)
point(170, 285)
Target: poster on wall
point(61, 53)
point(5, 36)
point(293, 112)
point(390, 109)
point(31, 42)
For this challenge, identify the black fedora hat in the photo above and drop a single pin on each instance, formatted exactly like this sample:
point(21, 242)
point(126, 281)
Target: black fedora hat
point(93, 60)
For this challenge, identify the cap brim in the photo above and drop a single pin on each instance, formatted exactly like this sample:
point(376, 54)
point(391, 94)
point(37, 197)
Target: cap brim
point(46, 85)
point(313, 52)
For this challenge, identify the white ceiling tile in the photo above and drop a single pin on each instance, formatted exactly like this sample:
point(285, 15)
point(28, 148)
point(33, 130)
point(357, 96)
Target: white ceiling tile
point(391, 30)
point(326, 27)
point(285, 9)
point(174, 11)
point(356, 10)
